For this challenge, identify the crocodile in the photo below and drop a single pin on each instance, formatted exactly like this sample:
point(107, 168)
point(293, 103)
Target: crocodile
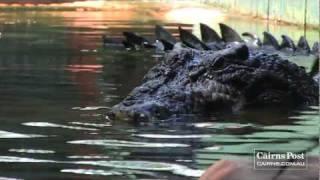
point(210, 40)
point(221, 74)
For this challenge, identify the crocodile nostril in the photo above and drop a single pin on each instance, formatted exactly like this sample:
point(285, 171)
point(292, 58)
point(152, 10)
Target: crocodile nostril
point(110, 115)
point(147, 111)
point(140, 117)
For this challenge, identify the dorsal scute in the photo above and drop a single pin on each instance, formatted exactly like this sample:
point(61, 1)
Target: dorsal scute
point(208, 35)
point(270, 40)
point(163, 34)
point(228, 34)
point(191, 40)
point(316, 48)
point(303, 44)
point(287, 42)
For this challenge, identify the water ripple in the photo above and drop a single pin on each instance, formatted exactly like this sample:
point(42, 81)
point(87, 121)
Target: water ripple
point(32, 151)
point(203, 125)
point(90, 108)
point(147, 165)
point(6, 178)
point(92, 172)
point(120, 143)
point(46, 124)
point(170, 136)
point(120, 172)
point(6, 134)
point(224, 125)
point(92, 124)
point(134, 167)
point(14, 159)
point(89, 157)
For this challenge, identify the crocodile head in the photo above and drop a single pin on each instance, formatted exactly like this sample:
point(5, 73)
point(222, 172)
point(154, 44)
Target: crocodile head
point(196, 81)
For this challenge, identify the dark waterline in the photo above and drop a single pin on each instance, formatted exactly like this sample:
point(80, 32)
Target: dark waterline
point(57, 83)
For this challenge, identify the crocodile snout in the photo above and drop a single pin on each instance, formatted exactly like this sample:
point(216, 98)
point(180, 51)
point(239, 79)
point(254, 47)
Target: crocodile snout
point(141, 112)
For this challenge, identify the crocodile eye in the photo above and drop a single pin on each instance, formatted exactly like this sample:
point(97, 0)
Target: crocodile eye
point(229, 46)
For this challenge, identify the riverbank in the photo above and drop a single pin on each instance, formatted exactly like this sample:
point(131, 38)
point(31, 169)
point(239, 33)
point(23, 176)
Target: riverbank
point(298, 12)
point(301, 13)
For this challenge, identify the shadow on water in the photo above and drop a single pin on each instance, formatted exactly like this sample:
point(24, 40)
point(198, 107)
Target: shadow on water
point(57, 82)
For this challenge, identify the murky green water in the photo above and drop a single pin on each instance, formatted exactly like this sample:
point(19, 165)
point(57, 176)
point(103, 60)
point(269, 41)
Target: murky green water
point(57, 83)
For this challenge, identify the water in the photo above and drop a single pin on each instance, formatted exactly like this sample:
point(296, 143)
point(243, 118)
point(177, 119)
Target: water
point(57, 83)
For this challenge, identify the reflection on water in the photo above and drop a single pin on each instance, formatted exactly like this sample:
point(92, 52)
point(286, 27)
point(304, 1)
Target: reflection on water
point(40, 151)
point(12, 135)
point(46, 124)
point(57, 82)
point(187, 15)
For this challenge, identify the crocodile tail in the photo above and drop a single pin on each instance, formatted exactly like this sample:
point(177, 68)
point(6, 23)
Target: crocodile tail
point(303, 44)
point(228, 34)
point(191, 40)
point(208, 35)
point(270, 40)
